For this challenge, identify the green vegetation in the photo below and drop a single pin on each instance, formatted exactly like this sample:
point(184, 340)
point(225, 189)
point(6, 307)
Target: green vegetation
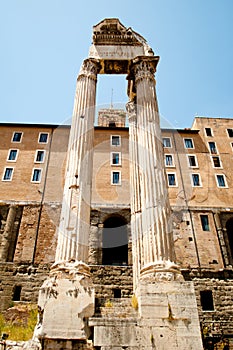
point(19, 327)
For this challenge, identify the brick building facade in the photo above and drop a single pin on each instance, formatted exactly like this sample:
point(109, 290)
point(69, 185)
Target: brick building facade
point(198, 163)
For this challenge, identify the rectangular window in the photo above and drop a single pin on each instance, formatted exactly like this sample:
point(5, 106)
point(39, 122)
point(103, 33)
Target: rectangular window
point(8, 173)
point(116, 178)
point(188, 143)
point(171, 179)
point(115, 140)
point(169, 160)
point(116, 158)
point(230, 132)
point(205, 222)
point(167, 142)
point(40, 155)
point(213, 148)
point(17, 136)
point(216, 162)
point(43, 137)
point(221, 182)
point(196, 182)
point(192, 161)
point(208, 132)
point(36, 175)
point(12, 155)
point(207, 302)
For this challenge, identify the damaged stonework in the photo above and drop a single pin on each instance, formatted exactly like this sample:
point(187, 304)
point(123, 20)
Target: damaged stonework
point(65, 302)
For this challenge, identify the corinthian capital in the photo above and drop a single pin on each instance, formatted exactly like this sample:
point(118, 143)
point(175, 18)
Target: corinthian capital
point(90, 68)
point(144, 68)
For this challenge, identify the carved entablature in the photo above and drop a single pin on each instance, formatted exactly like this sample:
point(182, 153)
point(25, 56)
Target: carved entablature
point(90, 68)
point(110, 31)
point(113, 41)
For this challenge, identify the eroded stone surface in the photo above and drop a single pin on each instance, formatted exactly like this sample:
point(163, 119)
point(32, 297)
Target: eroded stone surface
point(66, 300)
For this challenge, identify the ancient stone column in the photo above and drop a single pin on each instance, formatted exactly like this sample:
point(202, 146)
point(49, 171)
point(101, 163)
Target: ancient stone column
point(75, 216)
point(9, 226)
point(151, 215)
point(66, 298)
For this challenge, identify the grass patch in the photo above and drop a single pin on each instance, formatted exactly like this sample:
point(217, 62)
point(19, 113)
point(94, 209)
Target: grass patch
point(20, 328)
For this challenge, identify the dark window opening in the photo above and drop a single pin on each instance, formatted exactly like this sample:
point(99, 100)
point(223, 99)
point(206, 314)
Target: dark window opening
point(192, 161)
point(17, 137)
point(188, 143)
point(13, 154)
point(36, 175)
point(115, 158)
point(216, 162)
point(115, 140)
point(17, 293)
point(167, 142)
point(205, 223)
point(8, 174)
point(115, 242)
point(116, 178)
point(229, 227)
point(212, 147)
point(168, 160)
point(208, 131)
point(230, 132)
point(40, 156)
point(207, 302)
point(43, 138)
point(196, 180)
point(221, 181)
point(171, 179)
point(190, 239)
point(116, 293)
point(112, 124)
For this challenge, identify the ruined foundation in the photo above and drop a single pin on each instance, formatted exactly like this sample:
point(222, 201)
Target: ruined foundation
point(66, 300)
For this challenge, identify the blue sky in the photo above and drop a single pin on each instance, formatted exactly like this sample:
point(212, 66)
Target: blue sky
point(43, 44)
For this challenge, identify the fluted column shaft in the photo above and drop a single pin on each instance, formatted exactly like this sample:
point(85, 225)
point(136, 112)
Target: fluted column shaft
point(75, 215)
point(153, 232)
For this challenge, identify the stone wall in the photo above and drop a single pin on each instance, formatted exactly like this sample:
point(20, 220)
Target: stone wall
point(26, 276)
point(30, 278)
point(109, 279)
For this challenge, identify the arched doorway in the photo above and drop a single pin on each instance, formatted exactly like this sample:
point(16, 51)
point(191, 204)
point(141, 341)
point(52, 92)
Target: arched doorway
point(115, 242)
point(229, 227)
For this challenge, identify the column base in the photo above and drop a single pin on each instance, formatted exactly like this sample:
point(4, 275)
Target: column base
point(66, 300)
point(168, 315)
point(161, 271)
